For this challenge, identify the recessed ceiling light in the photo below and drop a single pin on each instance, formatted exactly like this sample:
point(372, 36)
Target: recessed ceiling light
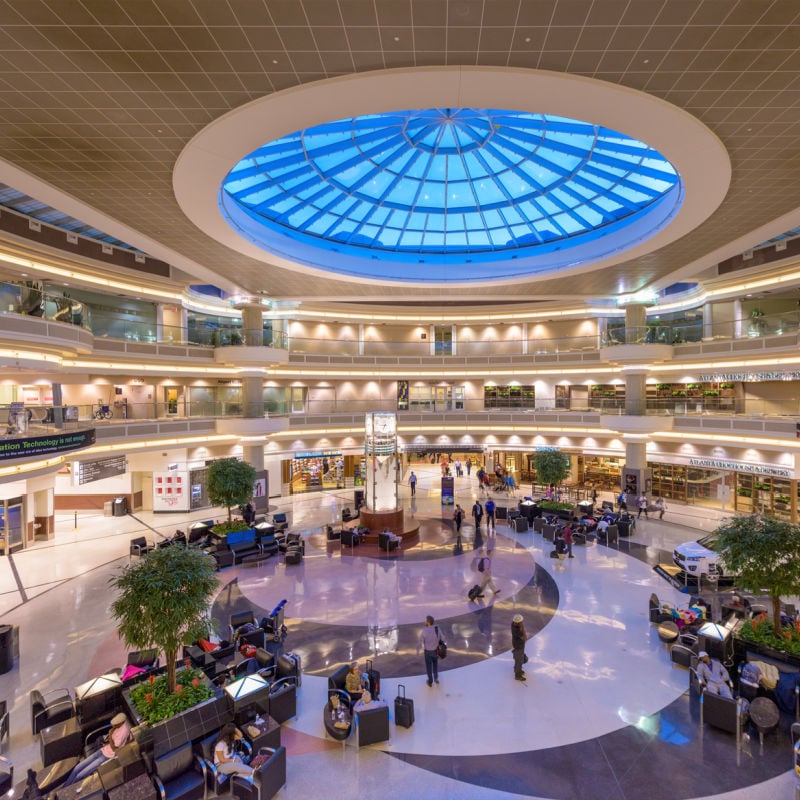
point(274, 60)
point(397, 38)
point(527, 39)
point(647, 61)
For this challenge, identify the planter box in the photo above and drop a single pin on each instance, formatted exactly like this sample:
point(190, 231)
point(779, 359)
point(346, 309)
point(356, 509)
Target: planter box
point(192, 723)
point(743, 646)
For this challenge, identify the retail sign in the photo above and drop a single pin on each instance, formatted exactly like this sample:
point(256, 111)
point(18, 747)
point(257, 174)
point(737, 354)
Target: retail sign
point(741, 466)
point(45, 445)
point(753, 377)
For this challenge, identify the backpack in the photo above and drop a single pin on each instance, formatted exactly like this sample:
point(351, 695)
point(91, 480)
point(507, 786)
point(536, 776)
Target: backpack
point(481, 566)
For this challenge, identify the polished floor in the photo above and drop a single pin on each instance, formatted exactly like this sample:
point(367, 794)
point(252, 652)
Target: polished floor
point(603, 714)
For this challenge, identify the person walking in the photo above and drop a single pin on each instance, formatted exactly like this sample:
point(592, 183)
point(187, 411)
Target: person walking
point(485, 568)
point(641, 502)
point(477, 514)
point(469, 466)
point(489, 508)
point(566, 535)
point(518, 639)
point(429, 639)
point(661, 507)
point(458, 518)
point(412, 482)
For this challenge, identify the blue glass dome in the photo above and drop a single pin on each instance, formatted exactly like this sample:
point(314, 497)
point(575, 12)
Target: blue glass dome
point(408, 194)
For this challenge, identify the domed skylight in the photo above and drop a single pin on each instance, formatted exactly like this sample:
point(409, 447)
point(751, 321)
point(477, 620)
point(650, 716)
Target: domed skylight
point(429, 189)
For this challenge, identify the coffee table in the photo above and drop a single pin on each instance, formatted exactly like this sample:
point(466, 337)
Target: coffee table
point(765, 716)
point(667, 631)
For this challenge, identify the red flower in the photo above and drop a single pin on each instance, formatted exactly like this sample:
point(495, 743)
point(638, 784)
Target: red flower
point(152, 679)
point(187, 663)
point(195, 681)
point(148, 697)
point(179, 688)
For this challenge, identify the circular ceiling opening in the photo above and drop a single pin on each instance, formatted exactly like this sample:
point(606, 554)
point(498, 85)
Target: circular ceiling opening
point(410, 195)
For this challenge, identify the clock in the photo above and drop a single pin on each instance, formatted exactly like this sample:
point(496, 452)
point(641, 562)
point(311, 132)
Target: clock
point(384, 424)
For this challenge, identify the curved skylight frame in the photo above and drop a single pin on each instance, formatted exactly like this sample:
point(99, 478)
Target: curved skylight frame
point(449, 186)
point(698, 155)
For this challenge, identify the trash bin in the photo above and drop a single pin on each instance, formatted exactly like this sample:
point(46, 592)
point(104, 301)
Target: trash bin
point(120, 506)
point(108, 508)
point(586, 507)
point(7, 635)
point(358, 497)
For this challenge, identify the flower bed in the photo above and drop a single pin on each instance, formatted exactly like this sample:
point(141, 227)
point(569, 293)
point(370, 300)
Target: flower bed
point(760, 632)
point(155, 703)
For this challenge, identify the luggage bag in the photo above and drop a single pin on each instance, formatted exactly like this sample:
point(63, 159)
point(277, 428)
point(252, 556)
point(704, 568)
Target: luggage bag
point(475, 592)
point(403, 708)
point(374, 679)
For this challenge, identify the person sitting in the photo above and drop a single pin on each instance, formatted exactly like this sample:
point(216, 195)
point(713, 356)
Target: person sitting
point(714, 675)
point(226, 759)
point(353, 683)
point(119, 735)
point(366, 702)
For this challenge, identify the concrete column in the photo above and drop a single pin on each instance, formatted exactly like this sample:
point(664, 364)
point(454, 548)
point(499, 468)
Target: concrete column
point(453, 340)
point(635, 320)
point(253, 454)
point(432, 339)
point(602, 327)
point(159, 322)
point(524, 338)
point(361, 339)
point(708, 322)
point(737, 319)
point(545, 394)
point(635, 455)
point(636, 476)
point(636, 393)
point(252, 397)
point(252, 325)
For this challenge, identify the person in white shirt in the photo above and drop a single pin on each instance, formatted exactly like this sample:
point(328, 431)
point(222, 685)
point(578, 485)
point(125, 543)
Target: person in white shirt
point(714, 675)
point(226, 759)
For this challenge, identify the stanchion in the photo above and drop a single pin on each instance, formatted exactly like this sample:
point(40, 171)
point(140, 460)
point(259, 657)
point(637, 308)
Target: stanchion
point(75, 522)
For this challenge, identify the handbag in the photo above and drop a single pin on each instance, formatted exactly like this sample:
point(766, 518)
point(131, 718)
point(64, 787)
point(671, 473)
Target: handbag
point(441, 648)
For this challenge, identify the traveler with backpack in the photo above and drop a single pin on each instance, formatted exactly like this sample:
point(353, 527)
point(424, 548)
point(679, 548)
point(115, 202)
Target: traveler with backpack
point(489, 506)
point(485, 567)
point(458, 518)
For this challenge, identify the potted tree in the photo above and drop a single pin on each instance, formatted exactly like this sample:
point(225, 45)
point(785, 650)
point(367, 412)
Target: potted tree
point(230, 483)
point(764, 552)
point(552, 466)
point(162, 601)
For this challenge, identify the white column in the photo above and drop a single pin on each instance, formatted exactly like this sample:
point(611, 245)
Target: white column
point(737, 318)
point(545, 393)
point(159, 322)
point(361, 339)
point(454, 339)
point(432, 337)
point(524, 338)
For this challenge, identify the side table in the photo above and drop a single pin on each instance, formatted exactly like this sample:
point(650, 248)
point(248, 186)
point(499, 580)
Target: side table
point(62, 740)
point(269, 734)
point(765, 716)
point(668, 631)
point(140, 788)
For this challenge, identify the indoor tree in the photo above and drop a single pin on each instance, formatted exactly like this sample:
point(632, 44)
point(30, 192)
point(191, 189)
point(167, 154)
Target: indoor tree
point(551, 465)
point(162, 601)
point(230, 483)
point(764, 554)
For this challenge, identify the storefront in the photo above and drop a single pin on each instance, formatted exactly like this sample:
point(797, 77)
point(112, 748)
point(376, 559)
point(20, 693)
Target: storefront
point(315, 471)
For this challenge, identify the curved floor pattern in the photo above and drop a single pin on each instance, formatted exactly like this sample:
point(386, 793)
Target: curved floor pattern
point(603, 714)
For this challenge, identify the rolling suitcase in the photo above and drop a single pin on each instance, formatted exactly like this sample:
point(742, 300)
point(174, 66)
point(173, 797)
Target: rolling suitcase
point(374, 678)
point(288, 665)
point(403, 708)
point(475, 592)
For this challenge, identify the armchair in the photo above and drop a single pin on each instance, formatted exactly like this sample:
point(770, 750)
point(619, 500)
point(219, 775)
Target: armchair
point(372, 725)
point(204, 749)
point(49, 708)
point(349, 538)
point(280, 521)
point(5, 730)
point(657, 611)
point(283, 699)
point(388, 541)
point(180, 774)
point(267, 779)
point(725, 713)
point(6, 775)
point(140, 547)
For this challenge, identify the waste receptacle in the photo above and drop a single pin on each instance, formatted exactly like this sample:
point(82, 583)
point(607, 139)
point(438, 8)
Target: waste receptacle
point(7, 636)
point(108, 508)
point(120, 506)
point(358, 497)
point(586, 507)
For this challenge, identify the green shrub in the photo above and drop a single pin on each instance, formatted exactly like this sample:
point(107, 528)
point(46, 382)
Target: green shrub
point(761, 631)
point(155, 702)
point(552, 505)
point(224, 528)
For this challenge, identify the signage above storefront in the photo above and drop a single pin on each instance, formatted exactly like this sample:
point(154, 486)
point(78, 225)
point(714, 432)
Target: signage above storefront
point(753, 377)
point(741, 466)
point(45, 445)
point(90, 471)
